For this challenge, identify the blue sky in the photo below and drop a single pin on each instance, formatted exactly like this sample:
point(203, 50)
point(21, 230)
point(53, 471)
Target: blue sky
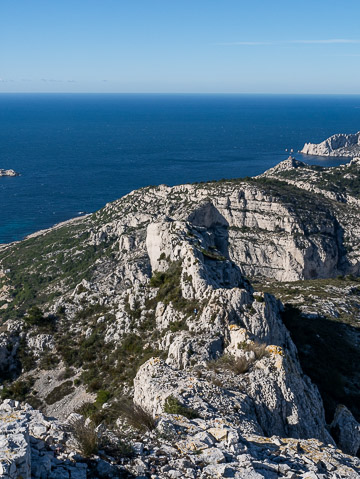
point(205, 46)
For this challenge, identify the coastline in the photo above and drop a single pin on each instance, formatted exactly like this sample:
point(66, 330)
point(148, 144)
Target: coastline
point(43, 231)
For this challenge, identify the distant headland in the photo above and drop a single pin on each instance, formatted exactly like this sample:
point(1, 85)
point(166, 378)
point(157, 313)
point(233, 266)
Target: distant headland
point(337, 145)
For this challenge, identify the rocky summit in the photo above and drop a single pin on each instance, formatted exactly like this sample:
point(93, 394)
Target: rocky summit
point(203, 330)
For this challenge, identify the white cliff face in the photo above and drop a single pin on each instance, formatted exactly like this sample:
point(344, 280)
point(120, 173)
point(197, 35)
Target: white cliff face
point(337, 145)
point(263, 236)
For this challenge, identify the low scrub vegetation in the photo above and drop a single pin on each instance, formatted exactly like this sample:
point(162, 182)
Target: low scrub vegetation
point(169, 290)
point(134, 415)
point(174, 406)
point(60, 392)
point(85, 436)
point(231, 363)
point(259, 349)
point(18, 390)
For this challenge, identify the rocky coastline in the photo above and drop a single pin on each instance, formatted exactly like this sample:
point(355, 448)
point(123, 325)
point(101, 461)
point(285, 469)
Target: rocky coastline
point(340, 145)
point(173, 334)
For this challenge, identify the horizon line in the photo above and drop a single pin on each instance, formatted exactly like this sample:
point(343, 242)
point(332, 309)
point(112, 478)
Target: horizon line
point(169, 93)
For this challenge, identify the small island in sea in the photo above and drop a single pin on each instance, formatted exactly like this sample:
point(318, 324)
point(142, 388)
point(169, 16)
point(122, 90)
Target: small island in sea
point(8, 172)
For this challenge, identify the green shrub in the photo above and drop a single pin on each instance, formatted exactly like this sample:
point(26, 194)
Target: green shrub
point(49, 361)
point(87, 409)
point(35, 316)
point(17, 390)
point(176, 326)
point(102, 397)
point(158, 278)
point(85, 436)
point(212, 255)
point(173, 406)
point(169, 291)
point(94, 385)
point(258, 298)
point(134, 415)
point(59, 392)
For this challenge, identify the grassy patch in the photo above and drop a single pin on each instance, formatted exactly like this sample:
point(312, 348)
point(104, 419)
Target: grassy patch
point(134, 415)
point(230, 363)
point(173, 406)
point(259, 349)
point(41, 268)
point(85, 436)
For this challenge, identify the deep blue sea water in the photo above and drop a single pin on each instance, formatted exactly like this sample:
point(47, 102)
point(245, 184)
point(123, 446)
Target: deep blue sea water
point(77, 152)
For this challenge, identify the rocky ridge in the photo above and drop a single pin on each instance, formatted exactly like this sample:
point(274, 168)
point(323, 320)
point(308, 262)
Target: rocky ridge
point(337, 145)
point(149, 299)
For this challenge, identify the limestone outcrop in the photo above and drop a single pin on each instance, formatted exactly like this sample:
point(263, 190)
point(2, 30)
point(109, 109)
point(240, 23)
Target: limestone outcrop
point(337, 145)
point(33, 446)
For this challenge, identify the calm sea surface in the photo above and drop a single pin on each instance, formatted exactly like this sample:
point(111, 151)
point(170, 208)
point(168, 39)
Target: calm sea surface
point(77, 152)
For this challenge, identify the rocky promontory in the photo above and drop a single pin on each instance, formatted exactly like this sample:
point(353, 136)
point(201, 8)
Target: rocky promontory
point(341, 144)
point(8, 173)
point(202, 330)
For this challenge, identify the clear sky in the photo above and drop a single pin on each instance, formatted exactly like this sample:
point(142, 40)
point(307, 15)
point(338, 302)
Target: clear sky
point(205, 46)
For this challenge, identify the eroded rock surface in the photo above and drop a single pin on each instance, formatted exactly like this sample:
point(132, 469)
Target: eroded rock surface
point(34, 446)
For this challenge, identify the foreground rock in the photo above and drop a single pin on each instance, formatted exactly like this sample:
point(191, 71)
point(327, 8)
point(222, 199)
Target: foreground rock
point(30, 445)
point(337, 145)
point(33, 446)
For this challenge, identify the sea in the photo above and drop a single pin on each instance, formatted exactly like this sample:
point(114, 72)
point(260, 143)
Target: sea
point(76, 152)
